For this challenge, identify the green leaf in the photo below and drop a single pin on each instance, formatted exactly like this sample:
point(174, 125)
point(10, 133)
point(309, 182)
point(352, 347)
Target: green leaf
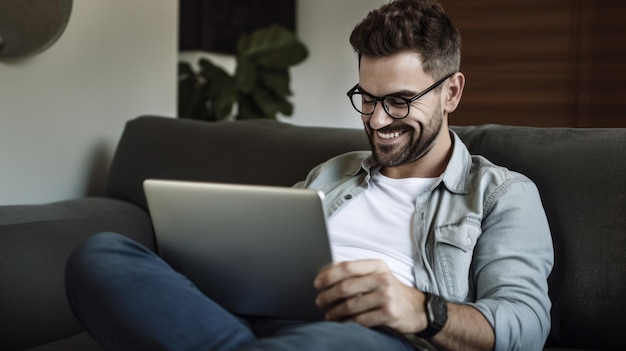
point(277, 81)
point(271, 104)
point(245, 74)
point(185, 70)
point(273, 46)
point(221, 92)
point(248, 109)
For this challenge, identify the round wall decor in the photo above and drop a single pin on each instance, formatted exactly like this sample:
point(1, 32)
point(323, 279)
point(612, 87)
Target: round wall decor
point(28, 27)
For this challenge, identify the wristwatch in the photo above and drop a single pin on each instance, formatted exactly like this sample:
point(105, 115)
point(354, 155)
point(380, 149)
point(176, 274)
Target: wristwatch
point(436, 313)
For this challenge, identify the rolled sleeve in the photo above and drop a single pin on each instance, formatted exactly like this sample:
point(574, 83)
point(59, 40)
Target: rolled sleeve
point(512, 261)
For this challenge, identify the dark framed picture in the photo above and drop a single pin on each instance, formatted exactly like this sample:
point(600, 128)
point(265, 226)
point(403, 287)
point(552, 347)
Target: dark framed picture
point(216, 25)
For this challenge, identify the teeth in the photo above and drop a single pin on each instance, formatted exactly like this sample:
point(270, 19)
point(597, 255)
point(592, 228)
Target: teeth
point(389, 135)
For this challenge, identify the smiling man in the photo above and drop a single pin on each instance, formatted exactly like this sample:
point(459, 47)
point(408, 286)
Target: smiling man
point(429, 240)
point(432, 247)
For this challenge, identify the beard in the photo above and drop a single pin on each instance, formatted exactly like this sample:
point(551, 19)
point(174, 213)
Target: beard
point(394, 155)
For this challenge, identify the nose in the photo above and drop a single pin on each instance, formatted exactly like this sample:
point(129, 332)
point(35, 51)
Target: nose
point(379, 119)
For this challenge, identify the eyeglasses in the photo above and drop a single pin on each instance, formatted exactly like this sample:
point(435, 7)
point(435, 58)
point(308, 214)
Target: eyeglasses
point(395, 106)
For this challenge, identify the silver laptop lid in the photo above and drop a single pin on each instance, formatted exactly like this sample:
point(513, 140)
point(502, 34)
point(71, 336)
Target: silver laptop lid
point(255, 250)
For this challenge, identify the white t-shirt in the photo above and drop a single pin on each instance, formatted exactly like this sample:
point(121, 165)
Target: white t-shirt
point(378, 224)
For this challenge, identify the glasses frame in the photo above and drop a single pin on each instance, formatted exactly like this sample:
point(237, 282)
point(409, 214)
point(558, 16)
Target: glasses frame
point(357, 90)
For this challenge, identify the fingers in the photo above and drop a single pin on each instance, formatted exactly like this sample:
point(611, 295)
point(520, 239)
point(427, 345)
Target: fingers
point(352, 287)
point(396, 307)
point(337, 272)
point(344, 280)
point(361, 308)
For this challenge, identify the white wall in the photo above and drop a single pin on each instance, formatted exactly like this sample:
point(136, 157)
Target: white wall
point(320, 83)
point(62, 111)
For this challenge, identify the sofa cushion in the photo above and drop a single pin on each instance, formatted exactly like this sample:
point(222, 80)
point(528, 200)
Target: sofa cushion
point(36, 241)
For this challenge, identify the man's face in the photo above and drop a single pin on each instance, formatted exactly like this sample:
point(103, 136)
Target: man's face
point(398, 142)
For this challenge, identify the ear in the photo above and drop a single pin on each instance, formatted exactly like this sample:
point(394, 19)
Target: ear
point(454, 92)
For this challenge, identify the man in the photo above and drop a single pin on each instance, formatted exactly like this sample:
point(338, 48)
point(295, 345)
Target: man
point(429, 243)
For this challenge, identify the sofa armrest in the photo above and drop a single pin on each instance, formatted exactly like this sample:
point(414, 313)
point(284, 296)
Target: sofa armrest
point(35, 241)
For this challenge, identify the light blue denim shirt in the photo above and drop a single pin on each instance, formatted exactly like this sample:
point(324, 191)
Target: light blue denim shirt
point(481, 235)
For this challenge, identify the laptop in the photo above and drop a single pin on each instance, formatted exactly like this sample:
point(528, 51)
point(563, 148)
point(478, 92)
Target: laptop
point(255, 250)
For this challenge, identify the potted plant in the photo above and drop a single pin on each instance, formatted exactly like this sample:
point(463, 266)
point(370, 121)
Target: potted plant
point(260, 86)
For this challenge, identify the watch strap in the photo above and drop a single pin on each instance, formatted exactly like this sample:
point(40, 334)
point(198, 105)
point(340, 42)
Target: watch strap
point(436, 314)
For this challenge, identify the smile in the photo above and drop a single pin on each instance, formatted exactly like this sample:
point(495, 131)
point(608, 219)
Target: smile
point(391, 135)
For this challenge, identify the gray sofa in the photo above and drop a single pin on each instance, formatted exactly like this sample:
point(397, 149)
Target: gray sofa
point(581, 174)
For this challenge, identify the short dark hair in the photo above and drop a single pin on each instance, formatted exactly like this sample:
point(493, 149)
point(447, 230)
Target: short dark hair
point(411, 25)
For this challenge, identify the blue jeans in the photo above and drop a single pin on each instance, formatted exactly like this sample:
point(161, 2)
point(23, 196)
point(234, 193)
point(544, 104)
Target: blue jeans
point(127, 298)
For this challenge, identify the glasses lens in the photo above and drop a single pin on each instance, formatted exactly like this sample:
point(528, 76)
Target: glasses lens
point(363, 103)
point(396, 107)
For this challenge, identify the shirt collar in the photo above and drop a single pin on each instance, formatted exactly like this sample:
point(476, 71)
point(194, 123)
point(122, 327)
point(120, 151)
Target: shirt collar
point(456, 174)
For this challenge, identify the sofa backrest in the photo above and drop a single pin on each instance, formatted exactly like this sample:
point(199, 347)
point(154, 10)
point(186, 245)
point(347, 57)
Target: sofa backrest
point(580, 173)
point(250, 151)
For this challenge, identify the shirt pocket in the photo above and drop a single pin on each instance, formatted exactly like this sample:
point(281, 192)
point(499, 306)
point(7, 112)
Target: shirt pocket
point(454, 249)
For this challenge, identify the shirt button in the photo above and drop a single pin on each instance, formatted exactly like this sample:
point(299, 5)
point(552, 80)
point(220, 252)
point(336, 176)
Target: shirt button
point(348, 197)
point(468, 241)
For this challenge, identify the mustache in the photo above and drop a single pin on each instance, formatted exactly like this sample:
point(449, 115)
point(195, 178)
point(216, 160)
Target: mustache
point(391, 128)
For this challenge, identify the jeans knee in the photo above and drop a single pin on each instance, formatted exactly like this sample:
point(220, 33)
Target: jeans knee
point(88, 255)
point(92, 245)
point(104, 240)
